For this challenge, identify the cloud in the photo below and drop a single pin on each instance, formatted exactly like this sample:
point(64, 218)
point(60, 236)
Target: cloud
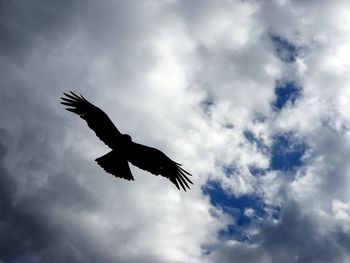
point(60, 204)
point(297, 237)
point(249, 94)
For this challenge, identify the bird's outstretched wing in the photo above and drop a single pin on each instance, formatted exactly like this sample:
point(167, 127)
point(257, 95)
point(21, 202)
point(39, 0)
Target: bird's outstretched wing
point(96, 118)
point(156, 162)
point(115, 164)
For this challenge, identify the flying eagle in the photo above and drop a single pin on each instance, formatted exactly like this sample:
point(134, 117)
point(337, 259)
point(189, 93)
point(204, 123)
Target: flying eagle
point(124, 150)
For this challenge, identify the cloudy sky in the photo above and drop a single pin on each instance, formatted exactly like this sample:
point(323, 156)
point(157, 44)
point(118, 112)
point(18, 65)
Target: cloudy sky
point(252, 97)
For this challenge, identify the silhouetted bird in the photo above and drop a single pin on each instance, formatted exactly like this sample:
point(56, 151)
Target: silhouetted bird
point(124, 150)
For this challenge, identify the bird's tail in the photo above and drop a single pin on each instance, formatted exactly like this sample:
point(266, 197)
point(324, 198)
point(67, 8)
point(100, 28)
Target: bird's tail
point(115, 164)
point(104, 160)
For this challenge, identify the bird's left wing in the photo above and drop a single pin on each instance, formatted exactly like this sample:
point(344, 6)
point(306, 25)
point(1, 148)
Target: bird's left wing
point(156, 162)
point(96, 118)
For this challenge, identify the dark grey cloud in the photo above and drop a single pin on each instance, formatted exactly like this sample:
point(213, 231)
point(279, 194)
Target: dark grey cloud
point(56, 204)
point(24, 25)
point(42, 210)
point(297, 237)
point(28, 231)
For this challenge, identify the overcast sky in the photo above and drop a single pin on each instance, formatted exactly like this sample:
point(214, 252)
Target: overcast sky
point(252, 97)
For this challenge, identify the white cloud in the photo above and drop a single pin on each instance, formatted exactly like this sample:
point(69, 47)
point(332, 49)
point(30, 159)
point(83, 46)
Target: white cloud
point(150, 66)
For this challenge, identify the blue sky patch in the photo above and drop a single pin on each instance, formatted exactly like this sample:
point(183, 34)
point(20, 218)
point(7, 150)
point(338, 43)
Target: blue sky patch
point(286, 152)
point(285, 50)
point(237, 207)
point(286, 155)
point(256, 171)
point(285, 92)
point(249, 136)
point(234, 206)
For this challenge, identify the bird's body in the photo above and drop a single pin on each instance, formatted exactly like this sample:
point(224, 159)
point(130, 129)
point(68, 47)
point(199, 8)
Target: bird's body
point(124, 150)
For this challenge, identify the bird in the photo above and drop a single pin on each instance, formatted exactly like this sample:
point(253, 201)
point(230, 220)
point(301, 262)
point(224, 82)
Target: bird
point(123, 148)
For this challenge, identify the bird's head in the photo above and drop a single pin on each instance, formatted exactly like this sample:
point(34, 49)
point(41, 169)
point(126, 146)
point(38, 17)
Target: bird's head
point(127, 137)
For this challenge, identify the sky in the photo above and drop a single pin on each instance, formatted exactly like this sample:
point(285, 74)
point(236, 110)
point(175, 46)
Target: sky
point(252, 97)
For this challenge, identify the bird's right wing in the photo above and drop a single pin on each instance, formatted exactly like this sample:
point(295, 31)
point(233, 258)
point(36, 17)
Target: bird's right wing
point(156, 162)
point(96, 118)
